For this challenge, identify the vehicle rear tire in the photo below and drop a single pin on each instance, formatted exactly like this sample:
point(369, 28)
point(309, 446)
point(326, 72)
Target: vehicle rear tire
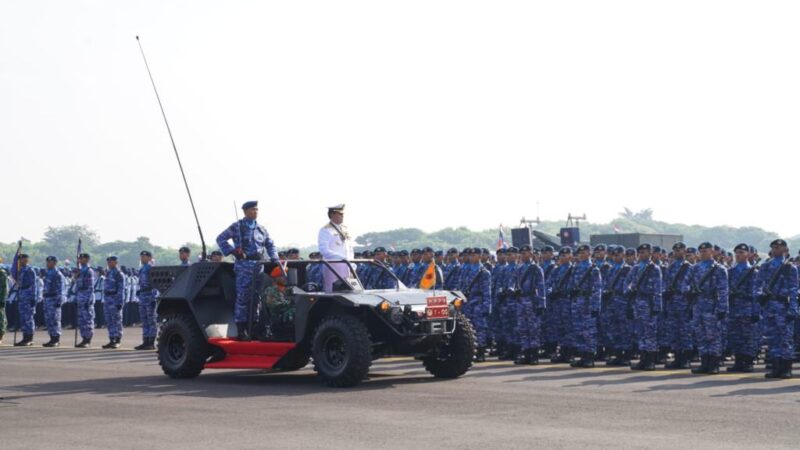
point(182, 347)
point(455, 352)
point(342, 351)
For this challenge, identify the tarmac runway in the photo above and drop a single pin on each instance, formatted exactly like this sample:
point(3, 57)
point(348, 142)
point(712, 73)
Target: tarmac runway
point(94, 398)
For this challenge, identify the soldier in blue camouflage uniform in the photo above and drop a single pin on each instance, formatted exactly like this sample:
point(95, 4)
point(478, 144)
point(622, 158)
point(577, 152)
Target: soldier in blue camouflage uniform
point(497, 273)
point(585, 288)
point(549, 338)
point(251, 243)
point(314, 271)
point(561, 307)
point(777, 295)
point(659, 259)
point(615, 306)
point(146, 293)
point(599, 257)
point(506, 305)
point(26, 301)
point(184, 253)
point(643, 291)
point(53, 294)
point(426, 259)
point(114, 301)
point(677, 322)
point(84, 297)
point(706, 288)
point(378, 275)
point(477, 286)
point(531, 303)
point(451, 270)
point(744, 311)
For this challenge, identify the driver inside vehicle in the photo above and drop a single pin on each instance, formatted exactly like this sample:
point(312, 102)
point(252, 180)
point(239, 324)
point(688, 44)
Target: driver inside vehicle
point(281, 309)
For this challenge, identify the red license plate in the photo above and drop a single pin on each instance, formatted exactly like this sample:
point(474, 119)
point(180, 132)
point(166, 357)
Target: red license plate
point(437, 308)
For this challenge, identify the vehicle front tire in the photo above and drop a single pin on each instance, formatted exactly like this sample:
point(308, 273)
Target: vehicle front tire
point(182, 347)
point(455, 353)
point(342, 351)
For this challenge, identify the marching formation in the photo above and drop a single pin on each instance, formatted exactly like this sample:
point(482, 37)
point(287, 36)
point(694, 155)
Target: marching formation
point(610, 303)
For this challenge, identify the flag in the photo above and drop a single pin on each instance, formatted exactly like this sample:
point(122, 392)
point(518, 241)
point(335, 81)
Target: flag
point(428, 280)
point(15, 263)
point(501, 239)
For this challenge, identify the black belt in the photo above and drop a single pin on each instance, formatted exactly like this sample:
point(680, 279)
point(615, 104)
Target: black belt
point(253, 258)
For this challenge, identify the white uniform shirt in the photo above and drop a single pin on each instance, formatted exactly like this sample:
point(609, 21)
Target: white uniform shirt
point(331, 244)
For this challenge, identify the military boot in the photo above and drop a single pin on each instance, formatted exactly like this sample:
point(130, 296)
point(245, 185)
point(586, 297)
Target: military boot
point(642, 362)
point(681, 361)
point(243, 333)
point(84, 343)
point(738, 364)
point(523, 358)
point(773, 368)
point(786, 369)
point(661, 356)
point(116, 343)
point(549, 350)
point(110, 343)
point(578, 361)
point(533, 356)
point(703, 365)
point(55, 341)
point(713, 365)
point(601, 354)
point(587, 360)
point(27, 341)
point(147, 344)
point(480, 354)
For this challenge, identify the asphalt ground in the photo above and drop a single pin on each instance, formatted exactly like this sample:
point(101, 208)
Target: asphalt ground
point(94, 398)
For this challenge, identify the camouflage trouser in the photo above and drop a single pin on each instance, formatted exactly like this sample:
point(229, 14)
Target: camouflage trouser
point(52, 316)
point(678, 325)
point(619, 329)
point(584, 326)
point(477, 311)
point(529, 325)
point(112, 310)
point(645, 325)
point(245, 272)
point(281, 310)
point(86, 317)
point(27, 307)
point(707, 327)
point(147, 312)
point(562, 322)
point(742, 332)
point(780, 330)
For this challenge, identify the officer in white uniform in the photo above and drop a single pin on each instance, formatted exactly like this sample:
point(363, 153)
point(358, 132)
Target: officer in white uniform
point(335, 244)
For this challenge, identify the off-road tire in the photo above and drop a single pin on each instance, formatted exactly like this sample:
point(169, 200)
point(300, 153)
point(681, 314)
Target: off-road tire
point(342, 351)
point(455, 352)
point(182, 347)
point(294, 361)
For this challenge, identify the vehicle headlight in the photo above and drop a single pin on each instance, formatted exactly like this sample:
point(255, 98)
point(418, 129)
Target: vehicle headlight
point(385, 306)
point(458, 303)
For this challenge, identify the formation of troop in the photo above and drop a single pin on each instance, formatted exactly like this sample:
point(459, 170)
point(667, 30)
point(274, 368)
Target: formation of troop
point(610, 303)
point(83, 298)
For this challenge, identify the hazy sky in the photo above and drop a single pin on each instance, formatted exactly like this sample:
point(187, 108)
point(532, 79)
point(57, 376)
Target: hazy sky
point(415, 113)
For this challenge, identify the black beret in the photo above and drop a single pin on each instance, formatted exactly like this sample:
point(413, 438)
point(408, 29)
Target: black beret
point(583, 248)
point(501, 251)
point(717, 248)
point(643, 247)
point(742, 247)
point(484, 251)
point(438, 253)
point(512, 249)
point(477, 250)
point(145, 253)
point(778, 243)
point(525, 248)
point(84, 255)
point(656, 249)
point(23, 255)
point(51, 258)
point(249, 204)
point(452, 251)
point(617, 249)
point(185, 250)
point(415, 251)
point(403, 252)
point(630, 251)
point(112, 258)
point(548, 248)
point(753, 249)
point(293, 251)
point(427, 250)
point(691, 250)
point(380, 249)
point(565, 251)
point(600, 248)
point(679, 246)
point(216, 253)
point(467, 251)
point(705, 246)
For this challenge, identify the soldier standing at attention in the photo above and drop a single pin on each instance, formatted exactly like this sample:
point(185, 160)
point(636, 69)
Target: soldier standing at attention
point(113, 291)
point(147, 303)
point(84, 295)
point(777, 295)
point(744, 316)
point(53, 294)
point(585, 288)
point(251, 244)
point(26, 299)
point(335, 244)
point(643, 291)
point(706, 288)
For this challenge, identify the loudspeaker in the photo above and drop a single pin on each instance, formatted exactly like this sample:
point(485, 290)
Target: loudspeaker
point(520, 236)
point(570, 236)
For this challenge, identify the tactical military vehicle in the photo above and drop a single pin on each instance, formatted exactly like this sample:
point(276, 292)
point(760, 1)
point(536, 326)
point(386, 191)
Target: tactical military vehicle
point(342, 331)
